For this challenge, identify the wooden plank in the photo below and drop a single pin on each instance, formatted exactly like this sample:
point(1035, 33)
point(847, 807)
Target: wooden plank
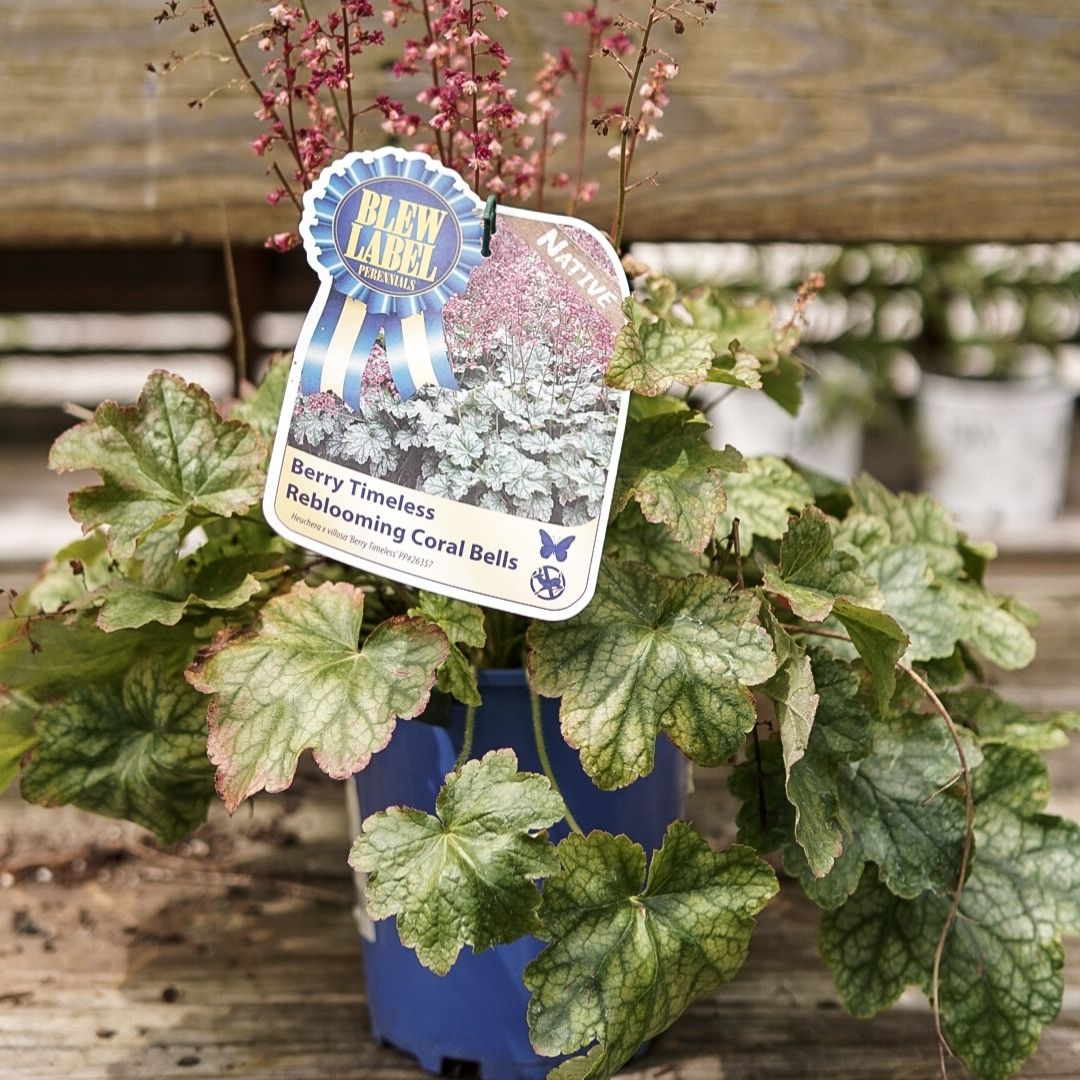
point(112, 974)
point(842, 119)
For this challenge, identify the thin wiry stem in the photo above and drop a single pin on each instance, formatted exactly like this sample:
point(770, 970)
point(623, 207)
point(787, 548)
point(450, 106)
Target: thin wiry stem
point(235, 312)
point(583, 124)
point(475, 95)
point(246, 71)
point(443, 157)
point(545, 763)
point(965, 856)
point(350, 123)
point(628, 126)
point(965, 860)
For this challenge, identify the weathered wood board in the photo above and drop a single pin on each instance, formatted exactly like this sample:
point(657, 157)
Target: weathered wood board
point(840, 119)
point(119, 962)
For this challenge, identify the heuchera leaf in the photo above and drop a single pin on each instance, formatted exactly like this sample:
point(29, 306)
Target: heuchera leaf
point(899, 814)
point(626, 956)
point(1001, 967)
point(465, 876)
point(163, 462)
point(630, 538)
point(730, 321)
point(812, 576)
point(802, 801)
point(763, 498)
point(862, 534)
point(75, 570)
point(299, 681)
point(262, 408)
point(792, 691)
point(914, 520)
point(738, 366)
point(987, 624)
point(878, 640)
point(643, 408)
point(675, 476)
point(219, 576)
point(893, 806)
point(924, 612)
point(650, 354)
point(653, 654)
point(134, 749)
point(460, 622)
point(784, 383)
point(17, 712)
point(813, 781)
point(43, 654)
point(995, 720)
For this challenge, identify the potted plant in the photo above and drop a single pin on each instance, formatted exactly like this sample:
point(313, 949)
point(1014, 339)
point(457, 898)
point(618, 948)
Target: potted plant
point(995, 404)
point(822, 641)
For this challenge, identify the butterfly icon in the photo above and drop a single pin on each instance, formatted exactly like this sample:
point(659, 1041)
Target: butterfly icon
point(549, 547)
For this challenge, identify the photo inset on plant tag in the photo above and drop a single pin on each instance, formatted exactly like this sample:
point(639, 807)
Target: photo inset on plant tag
point(531, 428)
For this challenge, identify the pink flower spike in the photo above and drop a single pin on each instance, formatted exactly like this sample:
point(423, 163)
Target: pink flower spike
point(283, 241)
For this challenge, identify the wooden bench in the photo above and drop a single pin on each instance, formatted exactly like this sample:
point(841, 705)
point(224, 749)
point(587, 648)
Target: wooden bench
point(838, 119)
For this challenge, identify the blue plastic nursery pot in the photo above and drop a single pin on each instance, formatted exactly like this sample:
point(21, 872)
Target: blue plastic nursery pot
point(472, 1021)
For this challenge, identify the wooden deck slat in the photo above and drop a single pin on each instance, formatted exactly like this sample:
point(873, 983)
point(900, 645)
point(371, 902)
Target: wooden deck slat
point(841, 119)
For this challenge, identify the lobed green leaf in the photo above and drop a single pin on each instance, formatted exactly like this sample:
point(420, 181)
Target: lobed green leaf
point(460, 622)
point(626, 955)
point(163, 462)
point(300, 681)
point(653, 654)
point(812, 576)
point(763, 498)
point(132, 749)
point(652, 353)
point(466, 875)
point(17, 712)
point(1001, 966)
point(675, 476)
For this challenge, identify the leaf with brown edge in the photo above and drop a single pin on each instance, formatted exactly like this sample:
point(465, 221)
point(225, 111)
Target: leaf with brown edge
point(299, 681)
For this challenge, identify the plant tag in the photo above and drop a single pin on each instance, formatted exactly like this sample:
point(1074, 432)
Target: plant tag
point(446, 422)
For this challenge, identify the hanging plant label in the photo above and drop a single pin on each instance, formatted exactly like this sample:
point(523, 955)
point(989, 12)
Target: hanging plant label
point(446, 422)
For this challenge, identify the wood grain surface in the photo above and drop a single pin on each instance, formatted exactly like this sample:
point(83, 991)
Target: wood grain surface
point(235, 955)
point(838, 119)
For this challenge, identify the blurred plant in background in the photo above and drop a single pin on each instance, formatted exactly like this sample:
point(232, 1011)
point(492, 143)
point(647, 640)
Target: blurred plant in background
point(890, 313)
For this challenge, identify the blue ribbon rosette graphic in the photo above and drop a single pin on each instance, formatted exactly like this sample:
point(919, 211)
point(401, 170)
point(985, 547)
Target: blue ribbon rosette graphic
point(394, 235)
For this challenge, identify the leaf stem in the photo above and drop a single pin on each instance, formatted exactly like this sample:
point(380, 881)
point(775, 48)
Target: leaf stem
point(545, 762)
point(965, 860)
point(820, 631)
point(467, 739)
point(735, 523)
point(732, 545)
point(763, 806)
